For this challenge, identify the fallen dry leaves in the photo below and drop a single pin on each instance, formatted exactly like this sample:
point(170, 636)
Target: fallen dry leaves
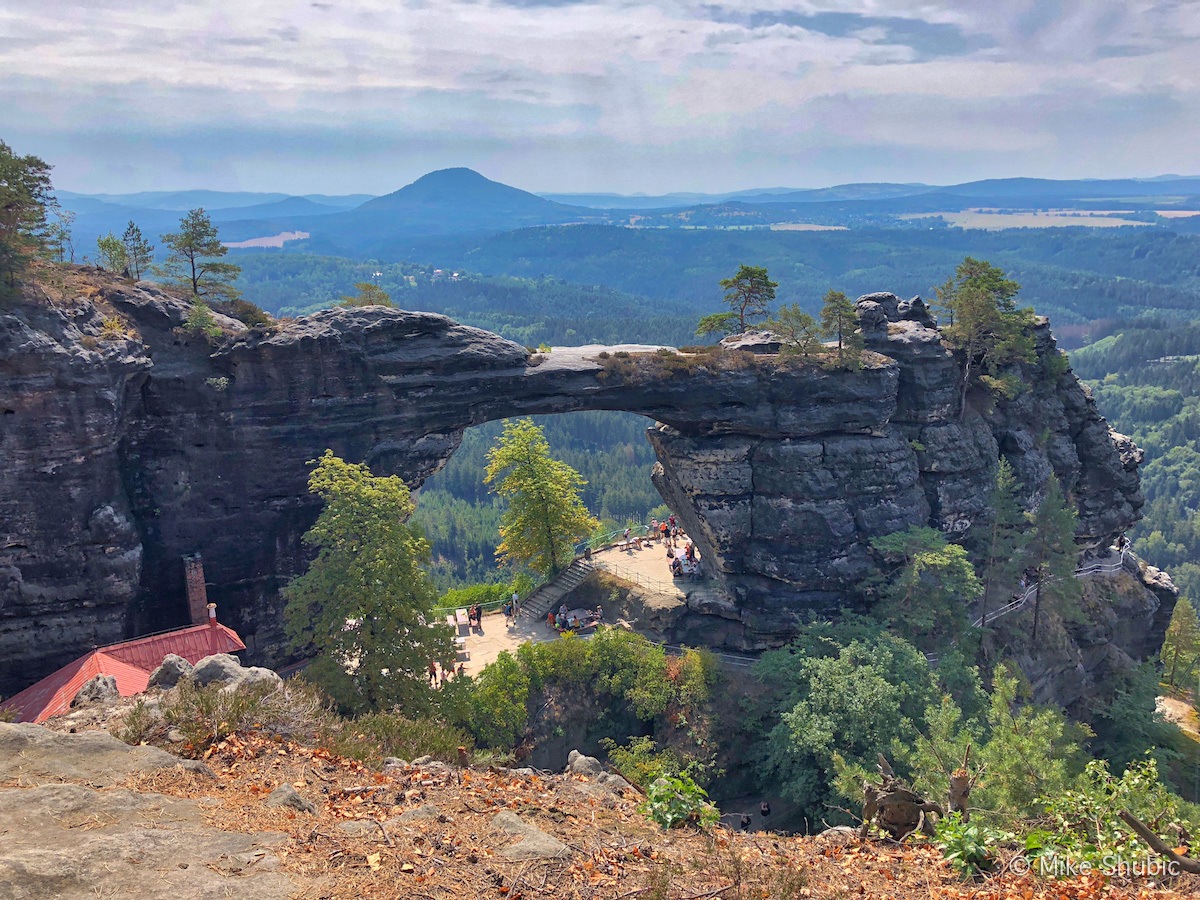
point(356, 846)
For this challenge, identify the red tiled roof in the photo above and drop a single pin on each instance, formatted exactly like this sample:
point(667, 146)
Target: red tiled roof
point(130, 662)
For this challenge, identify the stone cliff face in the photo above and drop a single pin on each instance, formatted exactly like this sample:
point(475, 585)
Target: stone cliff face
point(122, 455)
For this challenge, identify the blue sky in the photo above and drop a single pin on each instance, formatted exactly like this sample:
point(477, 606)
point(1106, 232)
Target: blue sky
point(563, 95)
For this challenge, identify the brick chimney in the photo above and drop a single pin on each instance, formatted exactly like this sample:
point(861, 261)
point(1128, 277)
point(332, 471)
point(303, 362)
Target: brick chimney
point(197, 596)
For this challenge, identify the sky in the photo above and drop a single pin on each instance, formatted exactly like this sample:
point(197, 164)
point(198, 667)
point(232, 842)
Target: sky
point(626, 96)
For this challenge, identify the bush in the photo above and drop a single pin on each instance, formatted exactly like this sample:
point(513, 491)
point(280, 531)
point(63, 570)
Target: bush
point(641, 762)
point(206, 715)
point(375, 736)
point(967, 845)
point(675, 800)
point(246, 312)
point(113, 329)
point(201, 323)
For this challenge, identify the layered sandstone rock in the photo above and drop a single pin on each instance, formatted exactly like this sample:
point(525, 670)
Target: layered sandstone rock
point(121, 456)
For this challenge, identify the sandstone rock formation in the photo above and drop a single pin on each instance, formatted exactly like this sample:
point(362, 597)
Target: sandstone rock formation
point(123, 455)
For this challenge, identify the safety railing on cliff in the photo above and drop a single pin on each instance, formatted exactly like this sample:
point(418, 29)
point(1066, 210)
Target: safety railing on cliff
point(647, 581)
point(1098, 567)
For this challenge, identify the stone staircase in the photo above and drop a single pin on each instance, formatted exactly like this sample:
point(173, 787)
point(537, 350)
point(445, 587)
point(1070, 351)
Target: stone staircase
point(547, 597)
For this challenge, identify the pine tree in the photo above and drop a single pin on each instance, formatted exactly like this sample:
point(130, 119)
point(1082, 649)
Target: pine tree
point(798, 332)
point(544, 517)
point(839, 321)
point(1181, 648)
point(138, 250)
point(1054, 556)
point(749, 293)
point(927, 595)
point(369, 294)
point(25, 198)
point(362, 602)
point(1007, 537)
point(191, 262)
point(985, 324)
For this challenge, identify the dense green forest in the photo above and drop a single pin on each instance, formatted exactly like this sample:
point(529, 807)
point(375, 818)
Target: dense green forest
point(609, 283)
point(530, 311)
point(1145, 378)
point(462, 519)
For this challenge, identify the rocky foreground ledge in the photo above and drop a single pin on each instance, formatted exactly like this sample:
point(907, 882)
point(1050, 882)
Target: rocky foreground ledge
point(84, 816)
point(130, 441)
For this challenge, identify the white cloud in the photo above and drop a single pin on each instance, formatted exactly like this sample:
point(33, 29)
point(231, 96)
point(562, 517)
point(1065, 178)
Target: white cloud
point(693, 90)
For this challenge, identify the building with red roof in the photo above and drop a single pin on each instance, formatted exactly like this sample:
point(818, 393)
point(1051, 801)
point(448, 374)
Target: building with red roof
point(129, 662)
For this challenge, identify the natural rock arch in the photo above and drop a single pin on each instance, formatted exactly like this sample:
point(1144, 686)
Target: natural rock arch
point(128, 455)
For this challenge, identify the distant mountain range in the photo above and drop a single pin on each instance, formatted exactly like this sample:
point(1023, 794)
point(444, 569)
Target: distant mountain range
point(462, 201)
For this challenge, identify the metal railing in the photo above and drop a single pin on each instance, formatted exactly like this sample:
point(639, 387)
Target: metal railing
point(1098, 567)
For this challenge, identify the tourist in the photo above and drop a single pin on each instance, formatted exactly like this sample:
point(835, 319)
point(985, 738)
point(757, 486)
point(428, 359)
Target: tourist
point(676, 567)
point(550, 618)
point(432, 670)
point(475, 616)
point(516, 605)
point(764, 808)
point(508, 614)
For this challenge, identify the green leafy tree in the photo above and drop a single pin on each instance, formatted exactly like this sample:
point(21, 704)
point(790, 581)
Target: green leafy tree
point(749, 293)
point(985, 324)
point(138, 250)
point(928, 594)
point(1006, 539)
point(1181, 648)
point(369, 294)
point(110, 253)
point(362, 603)
point(798, 332)
point(843, 693)
point(192, 261)
point(25, 198)
point(544, 516)
point(1054, 556)
point(839, 322)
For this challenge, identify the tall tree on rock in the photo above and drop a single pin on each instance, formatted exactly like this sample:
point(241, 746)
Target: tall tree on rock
point(839, 322)
point(192, 262)
point(362, 602)
point(1181, 647)
point(138, 251)
point(1054, 555)
point(749, 294)
point(544, 517)
point(1006, 539)
point(25, 198)
point(985, 325)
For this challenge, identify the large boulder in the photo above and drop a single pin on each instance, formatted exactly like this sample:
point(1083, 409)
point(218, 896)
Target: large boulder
point(170, 672)
point(222, 667)
point(99, 689)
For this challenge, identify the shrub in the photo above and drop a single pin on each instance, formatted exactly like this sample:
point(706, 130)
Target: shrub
point(206, 715)
point(675, 800)
point(967, 845)
point(641, 762)
point(141, 725)
point(113, 329)
point(200, 322)
point(374, 736)
point(246, 312)
point(499, 703)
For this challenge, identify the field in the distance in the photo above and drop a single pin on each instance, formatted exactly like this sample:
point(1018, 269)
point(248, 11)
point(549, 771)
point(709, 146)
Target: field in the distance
point(993, 220)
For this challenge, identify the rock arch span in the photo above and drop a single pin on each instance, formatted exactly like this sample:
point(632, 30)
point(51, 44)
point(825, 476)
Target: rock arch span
point(125, 456)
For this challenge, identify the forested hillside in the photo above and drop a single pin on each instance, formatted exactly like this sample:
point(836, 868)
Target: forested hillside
point(530, 311)
point(1075, 276)
point(1145, 378)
